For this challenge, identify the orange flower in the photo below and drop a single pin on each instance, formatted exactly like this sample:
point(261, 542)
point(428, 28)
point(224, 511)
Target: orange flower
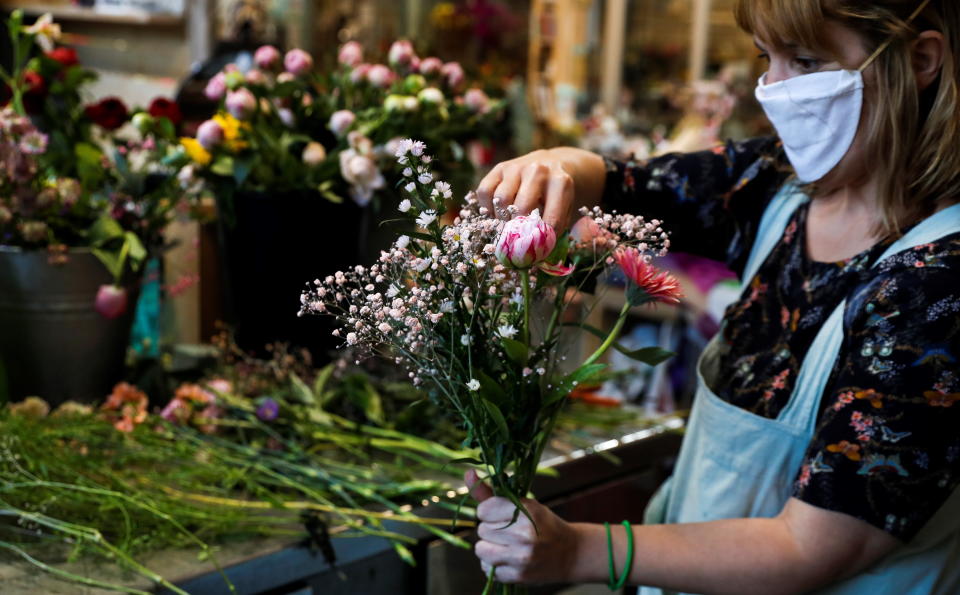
point(126, 407)
point(195, 393)
point(653, 284)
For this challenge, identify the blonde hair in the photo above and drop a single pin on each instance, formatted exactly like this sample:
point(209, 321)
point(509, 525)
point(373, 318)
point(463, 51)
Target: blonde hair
point(911, 136)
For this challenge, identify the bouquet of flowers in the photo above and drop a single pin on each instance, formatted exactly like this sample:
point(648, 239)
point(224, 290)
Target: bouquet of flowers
point(282, 126)
point(474, 308)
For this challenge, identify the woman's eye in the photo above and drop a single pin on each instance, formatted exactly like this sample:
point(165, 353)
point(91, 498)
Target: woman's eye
point(764, 56)
point(807, 64)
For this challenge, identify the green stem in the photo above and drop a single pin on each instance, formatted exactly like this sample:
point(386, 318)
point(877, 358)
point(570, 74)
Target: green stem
point(525, 332)
point(124, 251)
point(611, 338)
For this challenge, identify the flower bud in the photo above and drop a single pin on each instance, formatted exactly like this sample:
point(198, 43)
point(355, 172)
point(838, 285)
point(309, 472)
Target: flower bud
point(476, 101)
point(341, 121)
point(351, 54)
point(267, 57)
point(142, 121)
point(298, 62)
point(210, 134)
point(453, 74)
point(111, 301)
point(216, 87)
point(359, 73)
point(431, 66)
point(286, 116)
point(524, 241)
point(241, 103)
point(414, 83)
point(431, 95)
point(314, 154)
point(234, 80)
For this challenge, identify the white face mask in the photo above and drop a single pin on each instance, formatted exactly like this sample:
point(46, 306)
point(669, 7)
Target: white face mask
point(817, 115)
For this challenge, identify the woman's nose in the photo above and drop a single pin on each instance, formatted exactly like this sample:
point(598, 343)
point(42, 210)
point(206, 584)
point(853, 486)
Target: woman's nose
point(776, 73)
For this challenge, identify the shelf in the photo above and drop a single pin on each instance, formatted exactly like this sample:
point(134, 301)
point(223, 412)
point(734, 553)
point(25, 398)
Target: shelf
point(65, 12)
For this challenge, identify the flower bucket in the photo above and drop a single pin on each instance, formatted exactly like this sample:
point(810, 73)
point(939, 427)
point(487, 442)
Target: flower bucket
point(53, 344)
point(275, 245)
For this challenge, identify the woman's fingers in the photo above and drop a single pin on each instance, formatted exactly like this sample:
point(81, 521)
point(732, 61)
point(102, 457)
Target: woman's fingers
point(487, 186)
point(479, 490)
point(559, 199)
point(533, 187)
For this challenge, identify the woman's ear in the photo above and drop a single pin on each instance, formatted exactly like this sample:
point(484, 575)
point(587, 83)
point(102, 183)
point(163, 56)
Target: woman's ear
point(927, 56)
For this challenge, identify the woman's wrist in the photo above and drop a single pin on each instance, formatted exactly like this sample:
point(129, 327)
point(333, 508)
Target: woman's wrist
point(590, 556)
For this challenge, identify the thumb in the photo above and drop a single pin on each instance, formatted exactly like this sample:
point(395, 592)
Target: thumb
point(479, 490)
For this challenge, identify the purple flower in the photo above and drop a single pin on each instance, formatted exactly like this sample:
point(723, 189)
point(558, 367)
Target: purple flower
point(267, 57)
point(268, 409)
point(210, 134)
point(297, 62)
point(241, 103)
point(33, 143)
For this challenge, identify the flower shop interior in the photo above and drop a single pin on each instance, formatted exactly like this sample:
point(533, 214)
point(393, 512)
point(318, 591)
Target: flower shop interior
point(254, 323)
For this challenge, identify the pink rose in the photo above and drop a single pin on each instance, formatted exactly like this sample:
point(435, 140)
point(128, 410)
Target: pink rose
point(524, 241)
point(359, 73)
point(298, 62)
point(476, 101)
point(267, 57)
point(351, 54)
point(401, 53)
point(453, 73)
point(256, 77)
point(216, 87)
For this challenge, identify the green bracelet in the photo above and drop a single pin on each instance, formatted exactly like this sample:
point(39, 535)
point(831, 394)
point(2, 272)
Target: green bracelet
point(616, 583)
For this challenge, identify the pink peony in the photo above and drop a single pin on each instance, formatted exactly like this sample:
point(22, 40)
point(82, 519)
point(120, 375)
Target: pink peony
point(476, 101)
point(241, 103)
point(256, 77)
point(380, 76)
point(341, 121)
point(431, 66)
point(351, 54)
point(210, 134)
point(359, 73)
point(111, 301)
point(524, 241)
point(298, 62)
point(267, 57)
point(453, 74)
point(401, 53)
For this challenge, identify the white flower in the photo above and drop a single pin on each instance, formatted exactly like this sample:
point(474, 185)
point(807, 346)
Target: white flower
point(474, 384)
point(407, 172)
point(392, 291)
point(517, 298)
point(402, 242)
point(403, 147)
point(507, 331)
point(447, 306)
point(443, 189)
point(466, 339)
point(46, 31)
point(426, 218)
point(417, 148)
point(351, 338)
point(425, 178)
point(404, 206)
point(411, 187)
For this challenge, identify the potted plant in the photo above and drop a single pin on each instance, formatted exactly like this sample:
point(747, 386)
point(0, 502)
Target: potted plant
point(81, 207)
point(291, 146)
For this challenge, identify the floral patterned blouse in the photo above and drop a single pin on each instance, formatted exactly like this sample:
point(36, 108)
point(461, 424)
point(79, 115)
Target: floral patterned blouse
point(887, 446)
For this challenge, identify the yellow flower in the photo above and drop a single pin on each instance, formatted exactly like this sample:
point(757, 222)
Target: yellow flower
point(231, 131)
point(196, 151)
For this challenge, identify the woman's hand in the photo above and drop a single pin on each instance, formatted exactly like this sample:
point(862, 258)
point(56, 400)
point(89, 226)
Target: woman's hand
point(520, 551)
point(557, 181)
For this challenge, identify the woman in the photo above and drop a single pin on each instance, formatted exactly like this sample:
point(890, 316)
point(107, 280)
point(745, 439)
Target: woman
point(822, 451)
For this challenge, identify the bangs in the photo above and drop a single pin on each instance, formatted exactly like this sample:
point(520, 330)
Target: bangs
point(785, 22)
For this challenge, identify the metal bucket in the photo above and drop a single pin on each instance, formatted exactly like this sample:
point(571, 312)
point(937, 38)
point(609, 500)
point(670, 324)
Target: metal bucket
point(53, 343)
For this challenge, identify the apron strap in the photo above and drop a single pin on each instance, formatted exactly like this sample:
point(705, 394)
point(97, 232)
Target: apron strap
point(772, 225)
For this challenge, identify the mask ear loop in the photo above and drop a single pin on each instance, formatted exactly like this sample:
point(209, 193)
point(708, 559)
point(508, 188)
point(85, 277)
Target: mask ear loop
point(883, 46)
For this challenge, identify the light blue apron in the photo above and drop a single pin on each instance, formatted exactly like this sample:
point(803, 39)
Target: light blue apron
point(735, 464)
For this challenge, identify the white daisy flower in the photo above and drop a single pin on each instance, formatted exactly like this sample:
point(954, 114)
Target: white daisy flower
point(426, 218)
point(507, 331)
point(404, 206)
point(474, 384)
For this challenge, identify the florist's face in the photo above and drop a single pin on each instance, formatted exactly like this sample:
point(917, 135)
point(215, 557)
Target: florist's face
point(849, 53)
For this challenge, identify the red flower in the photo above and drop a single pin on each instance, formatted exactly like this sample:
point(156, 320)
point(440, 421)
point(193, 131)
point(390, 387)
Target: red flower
point(36, 91)
point(126, 407)
point(67, 57)
point(655, 285)
point(161, 107)
point(110, 113)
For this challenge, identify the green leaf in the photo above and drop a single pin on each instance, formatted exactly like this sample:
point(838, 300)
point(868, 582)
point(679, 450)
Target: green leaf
point(516, 351)
point(166, 128)
point(301, 391)
point(110, 259)
point(104, 230)
point(560, 250)
point(136, 254)
point(490, 388)
point(498, 418)
point(321, 380)
point(89, 167)
point(647, 355)
point(330, 194)
point(471, 460)
point(223, 166)
point(372, 404)
point(570, 381)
